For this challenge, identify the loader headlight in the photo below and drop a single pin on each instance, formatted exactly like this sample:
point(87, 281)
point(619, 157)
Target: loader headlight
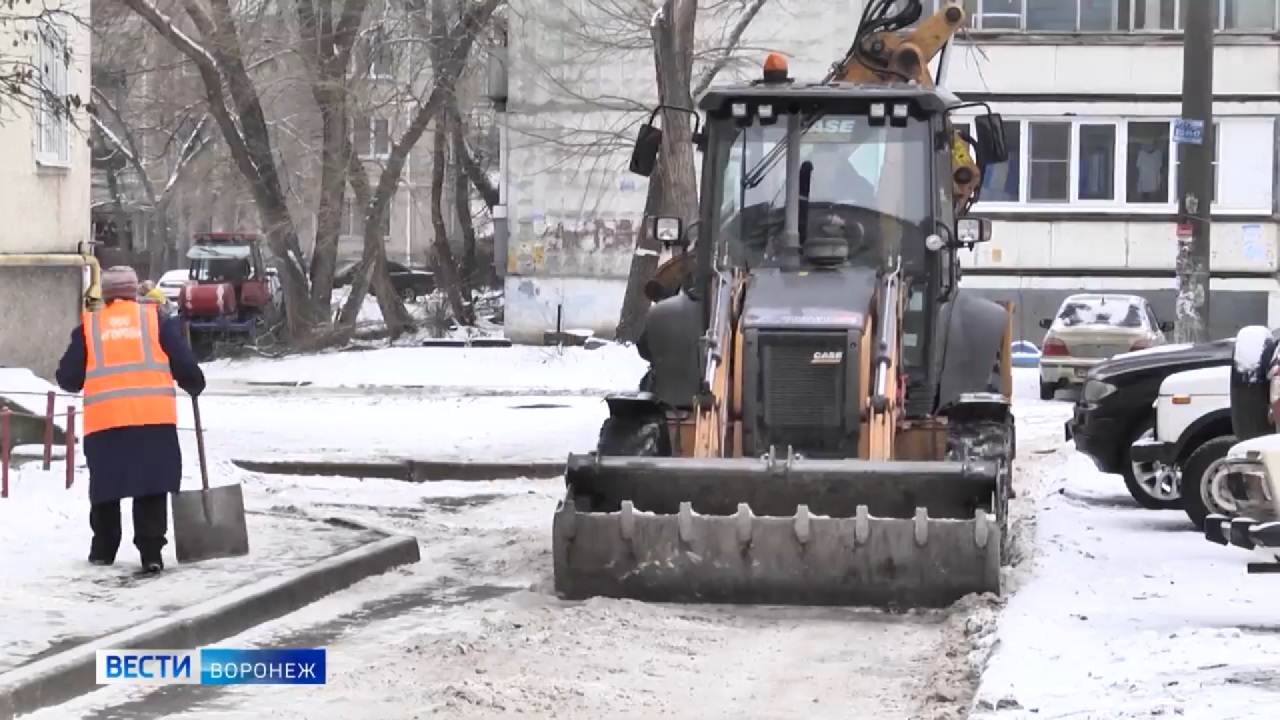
point(1095, 390)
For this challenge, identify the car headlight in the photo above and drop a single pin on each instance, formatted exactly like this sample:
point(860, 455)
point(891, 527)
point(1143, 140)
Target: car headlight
point(1095, 390)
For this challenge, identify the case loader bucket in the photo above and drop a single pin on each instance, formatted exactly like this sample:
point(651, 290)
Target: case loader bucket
point(752, 531)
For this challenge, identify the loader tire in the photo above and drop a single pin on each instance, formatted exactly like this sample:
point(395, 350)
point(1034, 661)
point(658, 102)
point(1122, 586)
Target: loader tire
point(989, 441)
point(634, 436)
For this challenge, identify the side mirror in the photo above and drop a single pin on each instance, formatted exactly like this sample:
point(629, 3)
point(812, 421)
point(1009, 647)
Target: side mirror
point(989, 138)
point(1166, 326)
point(971, 231)
point(1046, 323)
point(644, 156)
point(669, 231)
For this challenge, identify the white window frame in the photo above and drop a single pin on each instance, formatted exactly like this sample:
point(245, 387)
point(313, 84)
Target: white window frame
point(1119, 204)
point(371, 151)
point(975, 10)
point(52, 136)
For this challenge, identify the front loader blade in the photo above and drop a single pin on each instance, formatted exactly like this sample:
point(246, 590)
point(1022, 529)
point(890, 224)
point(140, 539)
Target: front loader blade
point(811, 532)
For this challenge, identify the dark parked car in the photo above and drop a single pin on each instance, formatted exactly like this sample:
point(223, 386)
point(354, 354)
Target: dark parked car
point(1115, 408)
point(410, 283)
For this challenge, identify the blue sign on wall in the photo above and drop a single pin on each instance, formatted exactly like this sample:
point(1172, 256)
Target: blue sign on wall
point(1190, 132)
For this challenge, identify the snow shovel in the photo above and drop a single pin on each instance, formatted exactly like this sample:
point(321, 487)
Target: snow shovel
point(208, 523)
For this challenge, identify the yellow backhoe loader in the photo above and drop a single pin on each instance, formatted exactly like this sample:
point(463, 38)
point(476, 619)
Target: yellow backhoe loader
point(826, 420)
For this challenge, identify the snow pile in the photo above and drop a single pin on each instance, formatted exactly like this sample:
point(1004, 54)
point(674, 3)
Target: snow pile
point(61, 599)
point(1251, 343)
point(22, 388)
point(1131, 614)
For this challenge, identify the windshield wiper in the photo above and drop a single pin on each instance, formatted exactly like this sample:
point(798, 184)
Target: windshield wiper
point(757, 173)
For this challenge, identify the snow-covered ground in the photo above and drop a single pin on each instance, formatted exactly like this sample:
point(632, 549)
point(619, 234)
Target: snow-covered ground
point(51, 597)
point(474, 631)
point(1132, 614)
point(1119, 612)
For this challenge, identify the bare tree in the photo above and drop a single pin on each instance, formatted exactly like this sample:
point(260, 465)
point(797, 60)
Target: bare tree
point(324, 38)
point(451, 42)
point(673, 188)
point(586, 118)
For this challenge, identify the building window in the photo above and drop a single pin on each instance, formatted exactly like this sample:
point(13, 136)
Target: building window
point(1248, 14)
point(372, 138)
point(53, 136)
point(1089, 16)
point(1096, 162)
point(353, 220)
point(378, 55)
point(1148, 162)
point(1155, 15)
point(995, 14)
point(1049, 160)
point(1121, 165)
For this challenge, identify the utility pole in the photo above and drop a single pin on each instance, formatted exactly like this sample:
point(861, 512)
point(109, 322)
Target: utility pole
point(1194, 135)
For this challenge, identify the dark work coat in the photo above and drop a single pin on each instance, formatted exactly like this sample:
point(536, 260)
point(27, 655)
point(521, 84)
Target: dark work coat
point(130, 462)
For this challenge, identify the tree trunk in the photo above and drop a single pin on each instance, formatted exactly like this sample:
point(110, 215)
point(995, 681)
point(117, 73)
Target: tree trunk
point(462, 205)
point(333, 185)
point(446, 266)
point(373, 261)
point(673, 189)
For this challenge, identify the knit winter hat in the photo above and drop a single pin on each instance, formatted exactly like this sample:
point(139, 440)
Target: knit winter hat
point(119, 283)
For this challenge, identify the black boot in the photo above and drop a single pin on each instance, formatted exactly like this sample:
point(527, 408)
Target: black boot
point(152, 566)
point(99, 561)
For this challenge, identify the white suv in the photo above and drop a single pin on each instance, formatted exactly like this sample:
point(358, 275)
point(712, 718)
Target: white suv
point(1184, 454)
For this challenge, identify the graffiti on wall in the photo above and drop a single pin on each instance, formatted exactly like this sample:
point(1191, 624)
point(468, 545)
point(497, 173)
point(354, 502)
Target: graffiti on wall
point(573, 246)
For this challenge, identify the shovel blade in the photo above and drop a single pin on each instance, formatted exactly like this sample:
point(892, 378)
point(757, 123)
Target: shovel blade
point(209, 524)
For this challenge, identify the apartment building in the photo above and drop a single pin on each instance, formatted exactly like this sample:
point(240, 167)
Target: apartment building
point(1088, 88)
point(45, 178)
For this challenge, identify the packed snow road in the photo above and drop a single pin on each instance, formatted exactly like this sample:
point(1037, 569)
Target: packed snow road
point(474, 631)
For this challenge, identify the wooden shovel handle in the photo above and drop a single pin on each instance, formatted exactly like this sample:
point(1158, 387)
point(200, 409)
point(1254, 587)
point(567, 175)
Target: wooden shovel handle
point(204, 468)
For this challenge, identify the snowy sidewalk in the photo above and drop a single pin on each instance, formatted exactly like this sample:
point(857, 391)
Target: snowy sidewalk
point(1131, 613)
point(52, 598)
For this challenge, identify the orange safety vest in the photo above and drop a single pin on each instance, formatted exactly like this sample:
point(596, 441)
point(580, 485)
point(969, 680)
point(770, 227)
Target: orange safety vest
point(127, 380)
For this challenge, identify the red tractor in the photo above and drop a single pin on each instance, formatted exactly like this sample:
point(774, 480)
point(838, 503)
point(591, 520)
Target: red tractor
point(231, 296)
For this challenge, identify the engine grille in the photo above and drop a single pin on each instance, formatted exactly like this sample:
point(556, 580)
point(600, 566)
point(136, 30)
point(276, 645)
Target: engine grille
point(802, 401)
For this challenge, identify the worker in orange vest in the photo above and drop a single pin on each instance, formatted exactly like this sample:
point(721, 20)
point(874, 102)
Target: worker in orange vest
point(126, 357)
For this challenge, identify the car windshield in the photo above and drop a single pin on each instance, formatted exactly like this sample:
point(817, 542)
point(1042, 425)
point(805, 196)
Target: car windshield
point(864, 185)
point(221, 269)
point(1107, 311)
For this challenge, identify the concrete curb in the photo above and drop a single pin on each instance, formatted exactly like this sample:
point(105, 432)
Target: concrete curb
point(72, 673)
point(416, 471)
